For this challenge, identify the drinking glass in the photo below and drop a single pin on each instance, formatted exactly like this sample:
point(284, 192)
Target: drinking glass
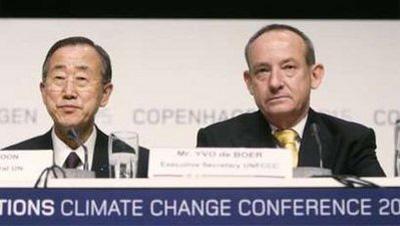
point(123, 154)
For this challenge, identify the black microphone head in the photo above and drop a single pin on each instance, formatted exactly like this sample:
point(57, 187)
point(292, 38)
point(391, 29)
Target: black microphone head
point(72, 134)
point(314, 129)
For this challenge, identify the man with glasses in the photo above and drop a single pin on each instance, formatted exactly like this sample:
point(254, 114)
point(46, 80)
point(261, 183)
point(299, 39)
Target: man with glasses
point(76, 81)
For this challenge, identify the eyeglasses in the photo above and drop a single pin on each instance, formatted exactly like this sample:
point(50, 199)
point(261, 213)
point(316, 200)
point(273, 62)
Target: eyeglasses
point(77, 82)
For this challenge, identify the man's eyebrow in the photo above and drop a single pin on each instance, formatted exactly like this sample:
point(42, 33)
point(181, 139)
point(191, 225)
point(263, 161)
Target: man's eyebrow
point(262, 64)
point(79, 67)
point(58, 66)
point(82, 67)
point(288, 60)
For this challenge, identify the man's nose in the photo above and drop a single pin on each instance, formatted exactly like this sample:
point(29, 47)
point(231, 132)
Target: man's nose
point(276, 80)
point(69, 91)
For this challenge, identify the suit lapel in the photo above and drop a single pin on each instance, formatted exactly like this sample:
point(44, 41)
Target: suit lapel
point(330, 144)
point(46, 141)
point(255, 133)
point(100, 156)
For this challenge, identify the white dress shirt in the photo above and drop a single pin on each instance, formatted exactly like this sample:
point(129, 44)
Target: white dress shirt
point(61, 150)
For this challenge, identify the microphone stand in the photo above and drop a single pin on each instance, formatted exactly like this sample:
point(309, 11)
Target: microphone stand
point(397, 148)
point(77, 173)
point(347, 180)
point(311, 171)
point(315, 134)
point(45, 173)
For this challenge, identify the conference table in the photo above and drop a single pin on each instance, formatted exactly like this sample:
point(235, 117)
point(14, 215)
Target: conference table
point(202, 201)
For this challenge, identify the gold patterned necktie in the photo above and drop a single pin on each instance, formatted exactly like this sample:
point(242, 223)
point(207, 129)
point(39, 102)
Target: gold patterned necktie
point(287, 139)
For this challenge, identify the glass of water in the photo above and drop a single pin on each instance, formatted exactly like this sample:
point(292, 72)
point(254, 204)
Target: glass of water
point(123, 154)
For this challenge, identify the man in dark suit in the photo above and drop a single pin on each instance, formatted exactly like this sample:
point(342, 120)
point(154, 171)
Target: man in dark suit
point(76, 81)
point(282, 71)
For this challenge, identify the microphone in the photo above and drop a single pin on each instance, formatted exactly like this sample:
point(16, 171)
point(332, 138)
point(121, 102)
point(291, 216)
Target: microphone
point(73, 135)
point(346, 180)
point(77, 173)
point(311, 171)
point(315, 134)
point(397, 148)
point(56, 171)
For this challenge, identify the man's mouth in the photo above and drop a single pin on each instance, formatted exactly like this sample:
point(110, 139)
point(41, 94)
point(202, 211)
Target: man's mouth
point(68, 107)
point(277, 98)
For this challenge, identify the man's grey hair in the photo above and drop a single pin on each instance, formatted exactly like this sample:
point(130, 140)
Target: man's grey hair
point(309, 54)
point(78, 40)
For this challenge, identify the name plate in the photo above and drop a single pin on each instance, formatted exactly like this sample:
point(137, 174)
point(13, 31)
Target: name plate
point(24, 165)
point(220, 162)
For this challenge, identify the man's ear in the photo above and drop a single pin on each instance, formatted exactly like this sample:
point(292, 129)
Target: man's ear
point(107, 90)
point(317, 74)
point(247, 79)
point(42, 90)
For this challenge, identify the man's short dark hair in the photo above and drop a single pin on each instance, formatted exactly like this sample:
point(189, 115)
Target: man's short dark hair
point(78, 40)
point(309, 54)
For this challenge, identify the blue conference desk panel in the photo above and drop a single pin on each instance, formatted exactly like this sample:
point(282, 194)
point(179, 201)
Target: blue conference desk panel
point(200, 206)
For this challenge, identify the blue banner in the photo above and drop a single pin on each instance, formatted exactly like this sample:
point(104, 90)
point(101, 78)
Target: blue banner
point(200, 206)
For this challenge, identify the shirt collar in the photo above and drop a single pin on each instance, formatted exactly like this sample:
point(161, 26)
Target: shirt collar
point(61, 150)
point(299, 127)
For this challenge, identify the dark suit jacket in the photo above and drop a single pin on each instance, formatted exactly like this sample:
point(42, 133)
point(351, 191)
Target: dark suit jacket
point(347, 147)
point(100, 157)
